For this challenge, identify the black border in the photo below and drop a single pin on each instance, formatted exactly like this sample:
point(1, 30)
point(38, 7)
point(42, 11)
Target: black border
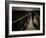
point(7, 18)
